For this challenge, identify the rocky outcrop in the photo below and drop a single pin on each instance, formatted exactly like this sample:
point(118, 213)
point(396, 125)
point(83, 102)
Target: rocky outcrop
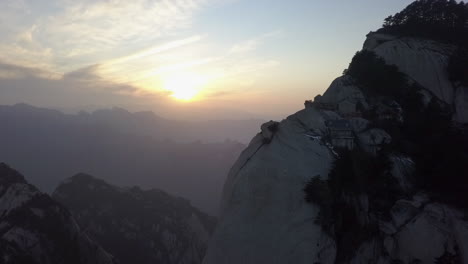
point(425, 62)
point(371, 139)
point(36, 229)
point(137, 226)
point(268, 130)
point(345, 95)
point(419, 231)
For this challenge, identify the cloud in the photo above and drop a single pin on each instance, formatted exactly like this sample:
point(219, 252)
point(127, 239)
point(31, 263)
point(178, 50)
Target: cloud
point(83, 90)
point(10, 71)
point(89, 27)
point(155, 50)
point(80, 33)
point(75, 89)
point(104, 51)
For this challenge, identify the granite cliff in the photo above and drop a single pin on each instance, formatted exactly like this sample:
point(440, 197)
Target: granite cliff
point(372, 171)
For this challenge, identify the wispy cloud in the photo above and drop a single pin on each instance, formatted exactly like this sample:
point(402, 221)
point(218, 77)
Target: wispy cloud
point(93, 26)
point(155, 50)
point(148, 68)
point(79, 33)
point(126, 47)
point(12, 72)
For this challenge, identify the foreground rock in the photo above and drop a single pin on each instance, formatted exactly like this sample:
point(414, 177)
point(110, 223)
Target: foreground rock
point(265, 218)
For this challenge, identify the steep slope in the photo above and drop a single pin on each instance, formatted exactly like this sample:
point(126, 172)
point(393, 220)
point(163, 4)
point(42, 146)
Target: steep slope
point(424, 61)
point(36, 229)
point(262, 209)
point(265, 219)
point(373, 171)
point(137, 226)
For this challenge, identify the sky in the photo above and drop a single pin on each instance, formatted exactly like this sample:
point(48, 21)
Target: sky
point(182, 59)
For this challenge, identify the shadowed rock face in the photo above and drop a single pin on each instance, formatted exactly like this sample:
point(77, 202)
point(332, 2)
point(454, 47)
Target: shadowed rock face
point(265, 219)
point(36, 229)
point(424, 61)
point(137, 226)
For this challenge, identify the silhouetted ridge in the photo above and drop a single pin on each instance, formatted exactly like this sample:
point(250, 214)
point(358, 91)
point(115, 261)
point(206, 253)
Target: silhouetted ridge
point(135, 225)
point(9, 176)
point(444, 20)
point(84, 178)
point(35, 229)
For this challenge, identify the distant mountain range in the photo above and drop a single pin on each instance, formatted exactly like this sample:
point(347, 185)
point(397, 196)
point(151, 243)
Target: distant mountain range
point(124, 148)
point(146, 124)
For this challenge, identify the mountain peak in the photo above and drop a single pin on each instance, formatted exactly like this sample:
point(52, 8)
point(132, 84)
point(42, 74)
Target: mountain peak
point(84, 181)
point(9, 176)
point(36, 229)
point(83, 177)
point(135, 217)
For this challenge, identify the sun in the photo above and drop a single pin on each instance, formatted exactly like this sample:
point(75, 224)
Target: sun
point(184, 86)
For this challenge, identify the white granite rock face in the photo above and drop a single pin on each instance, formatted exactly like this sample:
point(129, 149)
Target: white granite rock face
point(424, 61)
point(264, 216)
point(426, 231)
point(344, 94)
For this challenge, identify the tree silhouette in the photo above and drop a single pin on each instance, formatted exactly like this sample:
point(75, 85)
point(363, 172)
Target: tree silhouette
point(375, 77)
point(438, 19)
point(458, 66)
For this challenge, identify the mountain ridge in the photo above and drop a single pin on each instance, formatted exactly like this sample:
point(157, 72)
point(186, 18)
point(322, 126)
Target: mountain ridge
point(135, 225)
point(36, 229)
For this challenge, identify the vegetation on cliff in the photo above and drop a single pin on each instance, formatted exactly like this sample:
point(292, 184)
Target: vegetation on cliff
point(445, 20)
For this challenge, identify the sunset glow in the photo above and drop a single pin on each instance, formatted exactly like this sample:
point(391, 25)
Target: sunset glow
point(148, 54)
point(184, 86)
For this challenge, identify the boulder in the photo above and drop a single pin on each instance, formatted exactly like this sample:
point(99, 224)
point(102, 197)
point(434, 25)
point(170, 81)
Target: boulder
point(268, 130)
point(345, 95)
